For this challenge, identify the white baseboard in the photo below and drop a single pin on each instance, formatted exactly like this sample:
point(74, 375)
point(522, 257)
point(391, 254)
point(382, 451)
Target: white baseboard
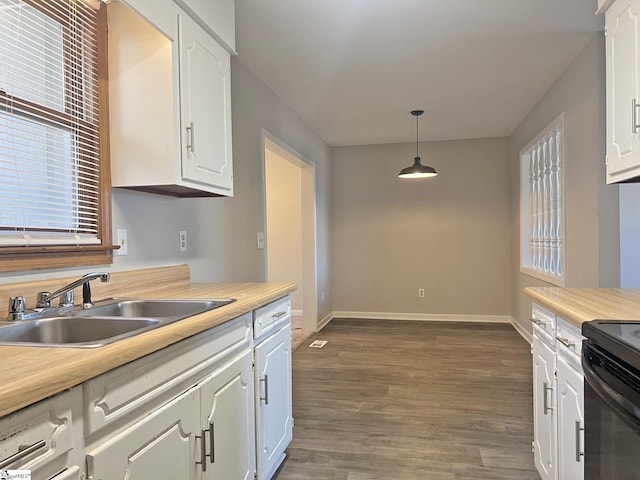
point(424, 317)
point(325, 321)
point(523, 333)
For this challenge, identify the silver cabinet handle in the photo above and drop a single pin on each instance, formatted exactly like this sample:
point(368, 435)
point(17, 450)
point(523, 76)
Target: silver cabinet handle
point(203, 446)
point(21, 453)
point(539, 322)
point(545, 400)
point(190, 135)
point(566, 342)
point(203, 451)
point(212, 441)
point(579, 452)
point(634, 116)
point(278, 315)
point(266, 389)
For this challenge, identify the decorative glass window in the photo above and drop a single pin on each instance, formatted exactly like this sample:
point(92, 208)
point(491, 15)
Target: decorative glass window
point(54, 186)
point(542, 245)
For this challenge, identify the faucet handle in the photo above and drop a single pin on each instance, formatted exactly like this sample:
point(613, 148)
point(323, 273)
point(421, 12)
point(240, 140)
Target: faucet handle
point(66, 299)
point(16, 308)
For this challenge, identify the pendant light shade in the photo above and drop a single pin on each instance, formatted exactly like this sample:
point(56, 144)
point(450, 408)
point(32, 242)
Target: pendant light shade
point(417, 170)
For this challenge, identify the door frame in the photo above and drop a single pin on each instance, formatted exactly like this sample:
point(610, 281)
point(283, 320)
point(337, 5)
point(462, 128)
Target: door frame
point(309, 287)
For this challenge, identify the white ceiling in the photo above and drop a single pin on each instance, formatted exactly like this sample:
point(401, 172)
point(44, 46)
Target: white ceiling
point(354, 69)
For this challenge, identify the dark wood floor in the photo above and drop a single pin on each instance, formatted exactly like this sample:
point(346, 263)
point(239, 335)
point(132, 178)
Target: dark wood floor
point(412, 400)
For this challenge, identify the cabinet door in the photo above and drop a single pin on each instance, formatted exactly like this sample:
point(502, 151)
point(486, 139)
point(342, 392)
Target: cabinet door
point(227, 413)
point(544, 420)
point(161, 446)
point(570, 422)
point(274, 420)
point(623, 90)
point(205, 83)
point(71, 473)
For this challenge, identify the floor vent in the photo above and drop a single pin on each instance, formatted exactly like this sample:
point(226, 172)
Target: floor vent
point(318, 344)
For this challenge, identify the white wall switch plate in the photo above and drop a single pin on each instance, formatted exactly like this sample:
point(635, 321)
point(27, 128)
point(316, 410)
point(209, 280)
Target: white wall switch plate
point(121, 235)
point(260, 238)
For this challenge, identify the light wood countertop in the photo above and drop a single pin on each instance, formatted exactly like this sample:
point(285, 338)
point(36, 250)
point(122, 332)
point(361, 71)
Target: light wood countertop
point(30, 374)
point(579, 305)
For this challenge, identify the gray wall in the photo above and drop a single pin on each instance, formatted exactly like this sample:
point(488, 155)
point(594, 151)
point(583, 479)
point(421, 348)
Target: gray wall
point(592, 226)
point(630, 236)
point(221, 231)
point(449, 235)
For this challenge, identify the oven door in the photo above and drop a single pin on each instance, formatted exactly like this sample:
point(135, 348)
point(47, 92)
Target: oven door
point(612, 417)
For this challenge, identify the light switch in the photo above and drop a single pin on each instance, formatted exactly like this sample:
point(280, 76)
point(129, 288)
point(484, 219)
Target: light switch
point(260, 237)
point(121, 235)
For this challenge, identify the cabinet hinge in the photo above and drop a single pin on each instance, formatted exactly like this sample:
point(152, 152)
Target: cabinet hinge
point(255, 475)
point(533, 447)
point(253, 366)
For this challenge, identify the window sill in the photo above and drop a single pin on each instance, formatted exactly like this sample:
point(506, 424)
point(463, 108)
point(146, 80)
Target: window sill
point(557, 281)
point(14, 259)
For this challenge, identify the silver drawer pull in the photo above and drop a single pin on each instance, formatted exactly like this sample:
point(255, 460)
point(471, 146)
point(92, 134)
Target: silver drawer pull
point(566, 342)
point(539, 322)
point(266, 389)
point(22, 452)
point(634, 116)
point(545, 398)
point(278, 315)
point(579, 453)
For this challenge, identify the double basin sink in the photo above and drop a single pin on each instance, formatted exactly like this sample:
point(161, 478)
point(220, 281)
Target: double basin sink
point(108, 321)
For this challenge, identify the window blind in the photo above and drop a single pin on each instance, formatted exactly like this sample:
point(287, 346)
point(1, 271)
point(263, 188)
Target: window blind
point(49, 123)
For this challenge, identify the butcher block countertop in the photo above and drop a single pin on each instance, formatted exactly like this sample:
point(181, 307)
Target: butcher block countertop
point(30, 374)
point(579, 305)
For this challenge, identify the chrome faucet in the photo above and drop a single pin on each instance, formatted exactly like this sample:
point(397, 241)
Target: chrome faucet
point(43, 304)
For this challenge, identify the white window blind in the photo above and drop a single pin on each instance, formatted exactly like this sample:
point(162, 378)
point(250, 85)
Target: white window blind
point(542, 249)
point(49, 123)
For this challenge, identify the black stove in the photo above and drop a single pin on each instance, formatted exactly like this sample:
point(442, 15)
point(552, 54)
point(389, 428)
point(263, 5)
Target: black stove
point(611, 364)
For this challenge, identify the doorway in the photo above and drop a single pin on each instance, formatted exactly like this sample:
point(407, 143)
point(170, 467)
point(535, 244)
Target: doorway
point(290, 226)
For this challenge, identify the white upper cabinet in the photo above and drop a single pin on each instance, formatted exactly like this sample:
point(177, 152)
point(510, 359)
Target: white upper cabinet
point(218, 17)
point(206, 108)
point(623, 90)
point(170, 102)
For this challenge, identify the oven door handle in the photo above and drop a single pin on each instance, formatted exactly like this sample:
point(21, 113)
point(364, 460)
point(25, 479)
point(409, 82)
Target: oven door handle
point(616, 401)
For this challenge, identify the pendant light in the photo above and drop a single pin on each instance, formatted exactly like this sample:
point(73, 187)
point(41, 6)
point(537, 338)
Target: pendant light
point(417, 170)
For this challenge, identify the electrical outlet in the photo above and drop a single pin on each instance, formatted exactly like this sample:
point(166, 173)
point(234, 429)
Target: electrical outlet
point(183, 240)
point(260, 240)
point(421, 292)
point(121, 235)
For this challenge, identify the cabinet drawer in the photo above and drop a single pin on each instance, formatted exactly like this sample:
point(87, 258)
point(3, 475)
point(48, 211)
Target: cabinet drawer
point(139, 387)
point(271, 317)
point(39, 434)
point(544, 322)
point(569, 341)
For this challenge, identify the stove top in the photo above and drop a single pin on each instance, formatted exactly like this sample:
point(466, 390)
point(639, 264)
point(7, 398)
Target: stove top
point(619, 338)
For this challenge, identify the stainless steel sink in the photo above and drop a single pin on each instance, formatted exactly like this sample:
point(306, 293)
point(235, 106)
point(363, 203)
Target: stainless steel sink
point(73, 331)
point(108, 321)
point(146, 308)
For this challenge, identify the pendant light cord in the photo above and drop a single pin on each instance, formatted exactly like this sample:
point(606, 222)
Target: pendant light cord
point(417, 118)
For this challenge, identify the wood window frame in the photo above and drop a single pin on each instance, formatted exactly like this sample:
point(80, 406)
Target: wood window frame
point(24, 258)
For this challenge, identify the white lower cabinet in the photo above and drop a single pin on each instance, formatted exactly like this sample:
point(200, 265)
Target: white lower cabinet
point(190, 411)
point(162, 445)
point(570, 421)
point(274, 419)
point(226, 399)
point(71, 473)
point(207, 432)
point(558, 402)
point(544, 417)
